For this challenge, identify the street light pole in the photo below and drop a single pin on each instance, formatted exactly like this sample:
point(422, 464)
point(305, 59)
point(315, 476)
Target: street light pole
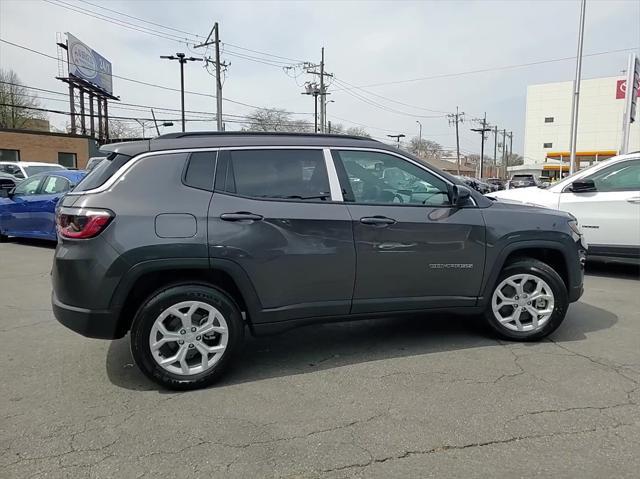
point(397, 137)
point(576, 92)
point(182, 59)
point(419, 137)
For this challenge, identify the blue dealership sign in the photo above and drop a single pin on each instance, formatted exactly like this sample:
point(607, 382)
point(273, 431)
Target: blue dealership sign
point(88, 65)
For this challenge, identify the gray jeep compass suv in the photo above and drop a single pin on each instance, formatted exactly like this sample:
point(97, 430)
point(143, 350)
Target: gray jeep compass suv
point(189, 239)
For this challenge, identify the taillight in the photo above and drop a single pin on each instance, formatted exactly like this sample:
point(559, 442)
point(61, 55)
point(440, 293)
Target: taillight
point(81, 223)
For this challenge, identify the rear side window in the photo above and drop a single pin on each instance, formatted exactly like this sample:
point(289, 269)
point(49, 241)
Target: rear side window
point(54, 185)
point(278, 174)
point(101, 173)
point(200, 170)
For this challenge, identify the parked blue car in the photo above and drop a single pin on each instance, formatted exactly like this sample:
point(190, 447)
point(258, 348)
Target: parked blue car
point(28, 210)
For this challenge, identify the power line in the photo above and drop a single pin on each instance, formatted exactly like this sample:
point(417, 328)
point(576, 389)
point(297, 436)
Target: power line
point(139, 19)
point(154, 85)
point(142, 29)
point(383, 107)
point(391, 99)
point(489, 69)
point(115, 21)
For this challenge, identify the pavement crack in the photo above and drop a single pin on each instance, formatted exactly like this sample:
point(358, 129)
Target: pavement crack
point(452, 447)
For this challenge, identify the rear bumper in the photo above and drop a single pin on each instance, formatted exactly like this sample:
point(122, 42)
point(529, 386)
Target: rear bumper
point(101, 324)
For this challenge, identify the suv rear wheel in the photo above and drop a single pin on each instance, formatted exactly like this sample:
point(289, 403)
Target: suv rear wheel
point(184, 336)
point(528, 302)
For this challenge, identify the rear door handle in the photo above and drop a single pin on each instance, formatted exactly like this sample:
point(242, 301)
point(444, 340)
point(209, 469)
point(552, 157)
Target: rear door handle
point(240, 216)
point(377, 220)
point(635, 200)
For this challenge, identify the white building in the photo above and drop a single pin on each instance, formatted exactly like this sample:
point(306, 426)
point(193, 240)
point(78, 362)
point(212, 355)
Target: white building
point(548, 124)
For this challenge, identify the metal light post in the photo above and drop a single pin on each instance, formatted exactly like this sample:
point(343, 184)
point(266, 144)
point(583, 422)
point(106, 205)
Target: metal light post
point(576, 93)
point(419, 136)
point(325, 113)
point(397, 137)
point(182, 58)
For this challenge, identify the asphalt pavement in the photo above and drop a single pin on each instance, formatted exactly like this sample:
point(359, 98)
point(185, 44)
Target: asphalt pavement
point(413, 397)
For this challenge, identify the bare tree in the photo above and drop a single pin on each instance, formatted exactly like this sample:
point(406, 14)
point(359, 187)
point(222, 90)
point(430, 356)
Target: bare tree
point(119, 129)
point(17, 102)
point(275, 119)
point(425, 148)
point(357, 131)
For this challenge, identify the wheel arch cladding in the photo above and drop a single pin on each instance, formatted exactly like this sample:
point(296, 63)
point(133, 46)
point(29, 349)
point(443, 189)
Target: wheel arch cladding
point(143, 280)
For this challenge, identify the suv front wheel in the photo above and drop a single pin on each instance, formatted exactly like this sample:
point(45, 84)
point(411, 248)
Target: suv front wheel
point(184, 336)
point(528, 302)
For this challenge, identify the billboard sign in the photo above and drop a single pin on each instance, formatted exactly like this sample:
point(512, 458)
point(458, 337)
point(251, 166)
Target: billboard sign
point(88, 65)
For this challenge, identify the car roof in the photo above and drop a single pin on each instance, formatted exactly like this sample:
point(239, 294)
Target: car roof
point(208, 139)
point(73, 175)
point(33, 163)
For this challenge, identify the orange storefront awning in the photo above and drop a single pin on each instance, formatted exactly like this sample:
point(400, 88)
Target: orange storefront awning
point(567, 154)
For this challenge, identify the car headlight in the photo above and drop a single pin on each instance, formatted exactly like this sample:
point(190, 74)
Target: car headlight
point(573, 224)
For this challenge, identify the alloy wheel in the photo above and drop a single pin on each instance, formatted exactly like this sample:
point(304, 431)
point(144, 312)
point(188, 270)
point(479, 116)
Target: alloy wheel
point(188, 338)
point(523, 303)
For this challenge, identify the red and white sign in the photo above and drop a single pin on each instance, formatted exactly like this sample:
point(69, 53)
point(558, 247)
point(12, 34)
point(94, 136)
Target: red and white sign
point(621, 90)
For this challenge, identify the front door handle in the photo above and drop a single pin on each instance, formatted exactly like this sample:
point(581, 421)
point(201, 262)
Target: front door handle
point(377, 220)
point(240, 216)
point(635, 200)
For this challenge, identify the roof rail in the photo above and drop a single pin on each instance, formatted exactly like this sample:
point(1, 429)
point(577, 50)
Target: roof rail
point(168, 136)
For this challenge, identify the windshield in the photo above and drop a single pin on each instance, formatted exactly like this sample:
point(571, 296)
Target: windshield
point(32, 170)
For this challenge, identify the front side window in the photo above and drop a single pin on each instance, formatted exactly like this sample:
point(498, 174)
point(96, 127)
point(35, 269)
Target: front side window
point(624, 176)
point(28, 187)
point(54, 185)
point(278, 174)
point(381, 178)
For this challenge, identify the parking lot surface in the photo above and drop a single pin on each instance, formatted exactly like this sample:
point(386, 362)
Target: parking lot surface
point(411, 397)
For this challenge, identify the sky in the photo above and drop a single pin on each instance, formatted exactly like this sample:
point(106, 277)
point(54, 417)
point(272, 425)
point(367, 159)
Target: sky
point(409, 59)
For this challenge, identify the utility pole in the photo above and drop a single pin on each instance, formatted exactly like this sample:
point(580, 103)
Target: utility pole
point(631, 98)
point(457, 118)
point(155, 122)
point(510, 135)
point(576, 92)
point(321, 90)
point(504, 155)
point(482, 132)
point(495, 150)
point(182, 59)
point(314, 90)
point(219, 65)
point(419, 137)
point(397, 137)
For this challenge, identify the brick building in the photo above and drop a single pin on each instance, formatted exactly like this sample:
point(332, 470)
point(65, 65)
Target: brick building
point(72, 151)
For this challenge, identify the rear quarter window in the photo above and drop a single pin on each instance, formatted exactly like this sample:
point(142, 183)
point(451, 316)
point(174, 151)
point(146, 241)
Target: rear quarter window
point(200, 170)
point(101, 173)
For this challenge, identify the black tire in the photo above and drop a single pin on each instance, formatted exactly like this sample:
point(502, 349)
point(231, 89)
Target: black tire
point(552, 278)
point(159, 302)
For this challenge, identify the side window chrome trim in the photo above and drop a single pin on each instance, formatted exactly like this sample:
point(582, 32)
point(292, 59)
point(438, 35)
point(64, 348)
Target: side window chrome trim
point(126, 167)
point(334, 182)
point(129, 164)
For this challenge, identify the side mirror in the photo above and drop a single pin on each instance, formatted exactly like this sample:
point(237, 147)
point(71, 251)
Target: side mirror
point(460, 196)
point(583, 186)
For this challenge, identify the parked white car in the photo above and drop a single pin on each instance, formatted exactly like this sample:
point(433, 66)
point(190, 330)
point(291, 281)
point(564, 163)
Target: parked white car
point(605, 198)
point(25, 169)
